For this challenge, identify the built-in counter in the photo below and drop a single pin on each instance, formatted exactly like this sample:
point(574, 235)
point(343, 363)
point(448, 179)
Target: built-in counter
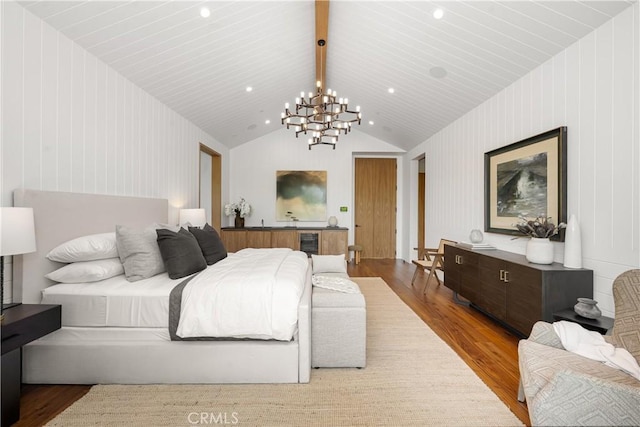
point(312, 240)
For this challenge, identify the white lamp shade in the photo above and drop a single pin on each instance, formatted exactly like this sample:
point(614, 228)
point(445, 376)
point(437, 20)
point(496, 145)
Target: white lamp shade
point(17, 231)
point(195, 217)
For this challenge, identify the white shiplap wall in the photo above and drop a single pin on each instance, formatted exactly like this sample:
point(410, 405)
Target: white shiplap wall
point(254, 164)
point(592, 88)
point(71, 123)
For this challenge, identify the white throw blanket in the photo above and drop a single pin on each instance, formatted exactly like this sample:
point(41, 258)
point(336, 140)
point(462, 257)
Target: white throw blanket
point(335, 283)
point(592, 345)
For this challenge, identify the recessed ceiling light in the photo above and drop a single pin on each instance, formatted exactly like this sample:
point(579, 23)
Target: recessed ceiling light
point(370, 122)
point(391, 90)
point(249, 88)
point(438, 72)
point(266, 122)
point(205, 12)
point(438, 13)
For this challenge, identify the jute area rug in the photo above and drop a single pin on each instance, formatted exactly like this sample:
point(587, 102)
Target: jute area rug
point(412, 378)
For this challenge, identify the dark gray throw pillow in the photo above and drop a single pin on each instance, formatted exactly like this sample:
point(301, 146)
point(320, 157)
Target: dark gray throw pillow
point(210, 242)
point(180, 252)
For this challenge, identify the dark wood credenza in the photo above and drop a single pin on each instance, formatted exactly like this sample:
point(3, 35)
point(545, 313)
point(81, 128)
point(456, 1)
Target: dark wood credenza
point(512, 290)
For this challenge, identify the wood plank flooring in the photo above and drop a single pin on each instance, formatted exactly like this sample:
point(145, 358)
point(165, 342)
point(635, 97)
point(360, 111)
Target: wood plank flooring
point(488, 348)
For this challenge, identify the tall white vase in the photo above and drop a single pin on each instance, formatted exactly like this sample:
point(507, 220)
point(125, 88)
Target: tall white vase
point(572, 244)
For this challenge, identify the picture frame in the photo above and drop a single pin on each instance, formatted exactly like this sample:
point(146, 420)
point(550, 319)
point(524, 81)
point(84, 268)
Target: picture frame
point(526, 179)
point(301, 195)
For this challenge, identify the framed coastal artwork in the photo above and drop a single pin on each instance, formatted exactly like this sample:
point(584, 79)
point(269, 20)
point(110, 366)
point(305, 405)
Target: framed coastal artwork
point(526, 179)
point(301, 196)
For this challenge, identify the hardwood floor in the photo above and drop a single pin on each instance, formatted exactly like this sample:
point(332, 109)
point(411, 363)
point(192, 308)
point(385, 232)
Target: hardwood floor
point(488, 348)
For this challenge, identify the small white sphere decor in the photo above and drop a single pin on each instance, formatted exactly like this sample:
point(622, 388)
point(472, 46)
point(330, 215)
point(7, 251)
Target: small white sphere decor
point(333, 221)
point(476, 236)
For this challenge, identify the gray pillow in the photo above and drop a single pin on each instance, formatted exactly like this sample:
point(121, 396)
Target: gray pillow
point(139, 252)
point(181, 254)
point(210, 243)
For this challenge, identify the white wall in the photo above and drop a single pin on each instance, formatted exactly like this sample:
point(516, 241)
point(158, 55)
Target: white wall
point(253, 169)
point(592, 88)
point(71, 123)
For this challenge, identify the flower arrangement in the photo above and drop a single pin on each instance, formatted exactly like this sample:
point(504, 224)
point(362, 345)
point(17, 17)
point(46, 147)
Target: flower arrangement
point(541, 227)
point(242, 208)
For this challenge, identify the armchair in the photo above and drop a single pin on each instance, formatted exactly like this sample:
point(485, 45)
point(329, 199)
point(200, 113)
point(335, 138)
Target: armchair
point(563, 388)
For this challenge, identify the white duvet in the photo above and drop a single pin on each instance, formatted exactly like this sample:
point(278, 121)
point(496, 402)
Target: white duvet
point(252, 294)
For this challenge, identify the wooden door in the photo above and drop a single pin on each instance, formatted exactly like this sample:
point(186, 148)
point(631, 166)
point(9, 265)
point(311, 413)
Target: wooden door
point(285, 239)
point(375, 207)
point(334, 242)
point(259, 239)
point(491, 287)
point(421, 201)
point(524, 297)
point(234, 240)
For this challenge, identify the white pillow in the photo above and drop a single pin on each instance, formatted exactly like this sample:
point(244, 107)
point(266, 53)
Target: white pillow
point(329, 264)
point(87, 271)
point(86, 248)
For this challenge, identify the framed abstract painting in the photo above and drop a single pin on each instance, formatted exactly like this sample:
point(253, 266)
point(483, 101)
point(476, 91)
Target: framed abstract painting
point(526, 179)
point(301, 196)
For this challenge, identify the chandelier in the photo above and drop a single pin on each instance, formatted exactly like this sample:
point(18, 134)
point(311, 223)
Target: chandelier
point(322, 116)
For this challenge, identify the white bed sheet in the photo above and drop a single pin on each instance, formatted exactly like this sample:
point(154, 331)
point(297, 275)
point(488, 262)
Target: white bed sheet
point(114, 302)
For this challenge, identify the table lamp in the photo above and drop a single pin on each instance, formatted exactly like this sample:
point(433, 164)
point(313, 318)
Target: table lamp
point(17, 236)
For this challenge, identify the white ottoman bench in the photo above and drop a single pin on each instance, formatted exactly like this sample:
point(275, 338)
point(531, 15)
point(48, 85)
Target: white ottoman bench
point(338, 329)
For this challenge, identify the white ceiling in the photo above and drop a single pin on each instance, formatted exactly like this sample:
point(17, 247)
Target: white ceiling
point(201, 67)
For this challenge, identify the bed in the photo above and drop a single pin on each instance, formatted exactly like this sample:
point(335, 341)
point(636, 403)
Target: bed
point(139, 352)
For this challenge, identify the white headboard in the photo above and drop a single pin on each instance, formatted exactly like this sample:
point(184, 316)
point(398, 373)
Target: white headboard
point(62, 216)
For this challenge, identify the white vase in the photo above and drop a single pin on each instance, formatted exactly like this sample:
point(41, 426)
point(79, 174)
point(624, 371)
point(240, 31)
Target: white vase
point(333, 221)
point(539, 251)
point(572, 244)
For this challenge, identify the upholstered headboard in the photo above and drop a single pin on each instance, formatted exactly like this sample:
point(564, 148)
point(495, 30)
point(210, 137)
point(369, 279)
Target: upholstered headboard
point(63, 216)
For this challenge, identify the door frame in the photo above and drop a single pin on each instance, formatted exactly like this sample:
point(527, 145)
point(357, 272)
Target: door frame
point(216, 185)
point(421, 201)
point(401, 230)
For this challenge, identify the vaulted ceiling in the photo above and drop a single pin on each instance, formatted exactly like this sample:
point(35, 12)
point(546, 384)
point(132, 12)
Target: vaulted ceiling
point(438, 69)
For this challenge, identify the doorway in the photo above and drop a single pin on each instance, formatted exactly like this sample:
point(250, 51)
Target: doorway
point(421, 210)
point(210, 188)
point(375, 206)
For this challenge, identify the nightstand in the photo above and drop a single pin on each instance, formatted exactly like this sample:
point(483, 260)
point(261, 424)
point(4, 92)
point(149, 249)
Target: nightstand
point(22, 324)
point(601, 324)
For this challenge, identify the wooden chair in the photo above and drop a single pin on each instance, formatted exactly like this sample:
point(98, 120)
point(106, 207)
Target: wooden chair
point(432, 260)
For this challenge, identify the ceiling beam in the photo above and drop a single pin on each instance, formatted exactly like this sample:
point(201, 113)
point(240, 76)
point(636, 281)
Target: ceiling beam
point(322, 30)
